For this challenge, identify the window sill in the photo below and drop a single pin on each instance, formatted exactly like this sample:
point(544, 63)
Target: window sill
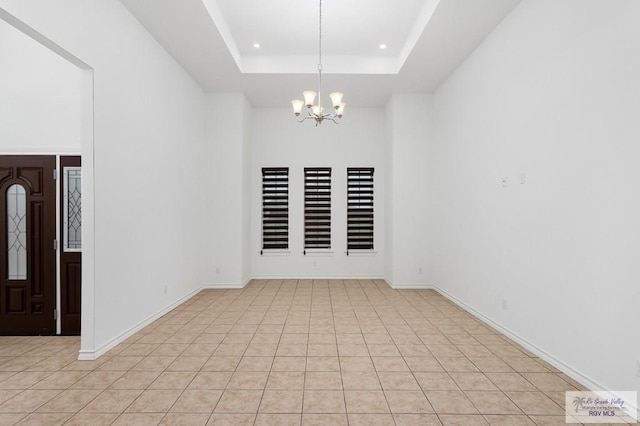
point(273, 252)
point(362, 253)
point(318, 252)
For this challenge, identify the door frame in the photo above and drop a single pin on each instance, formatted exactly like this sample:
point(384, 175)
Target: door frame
point(58, 218)
point(87, 143)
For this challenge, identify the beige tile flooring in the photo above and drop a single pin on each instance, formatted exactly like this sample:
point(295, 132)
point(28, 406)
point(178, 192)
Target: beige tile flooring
point(311, 352)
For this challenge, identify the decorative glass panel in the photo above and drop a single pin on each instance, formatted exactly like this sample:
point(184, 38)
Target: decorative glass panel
point(72, 209)
point(17, 232)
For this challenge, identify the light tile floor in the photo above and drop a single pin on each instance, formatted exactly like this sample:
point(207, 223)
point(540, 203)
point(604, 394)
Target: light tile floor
point(291, 352)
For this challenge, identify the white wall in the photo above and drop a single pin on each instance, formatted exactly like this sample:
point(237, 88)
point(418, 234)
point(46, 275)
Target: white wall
point(227, 260)
point(148, 166)
point(247, 201)
point(279, 141)
point(39, 97)
point(553, 93)
point(409, 118)
point(389, 192)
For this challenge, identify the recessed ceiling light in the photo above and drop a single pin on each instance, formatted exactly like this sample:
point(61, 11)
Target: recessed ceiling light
point(383, 46)
point(256, 45)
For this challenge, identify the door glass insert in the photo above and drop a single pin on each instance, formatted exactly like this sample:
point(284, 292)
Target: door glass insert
point(72, 209)
point(16, 232)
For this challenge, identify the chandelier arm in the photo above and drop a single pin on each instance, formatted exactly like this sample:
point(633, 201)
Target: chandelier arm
point(300, 120)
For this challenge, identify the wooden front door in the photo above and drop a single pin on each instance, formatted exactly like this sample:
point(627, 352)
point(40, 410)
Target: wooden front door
point(27, 251)
point(71, 253)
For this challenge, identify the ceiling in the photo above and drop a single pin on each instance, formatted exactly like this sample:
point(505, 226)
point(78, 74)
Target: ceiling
point(351, 28)
point(213, 40)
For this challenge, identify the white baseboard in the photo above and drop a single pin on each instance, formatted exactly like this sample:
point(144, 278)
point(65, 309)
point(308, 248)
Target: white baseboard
point(90, 355)
point(575, 374)
point(223, 286)
point(226, 286)
point(409, 286)
point(317, 277)
point(85, 355)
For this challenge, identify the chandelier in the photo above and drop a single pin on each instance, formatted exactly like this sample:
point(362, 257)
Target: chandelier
point(316, 112)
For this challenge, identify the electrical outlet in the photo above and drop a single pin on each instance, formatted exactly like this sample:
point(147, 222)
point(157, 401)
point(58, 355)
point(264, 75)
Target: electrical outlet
point(315, 263)
point(523, 178)
point(504, 304)
point(217, 270)
point(166, 289)
point(419, 271)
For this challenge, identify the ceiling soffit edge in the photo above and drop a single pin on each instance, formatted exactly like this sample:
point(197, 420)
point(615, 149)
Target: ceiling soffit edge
point(306, 64)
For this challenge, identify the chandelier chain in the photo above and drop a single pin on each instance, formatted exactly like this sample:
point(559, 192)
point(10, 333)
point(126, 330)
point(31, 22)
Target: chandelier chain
point(320, 55)
point(320, 37)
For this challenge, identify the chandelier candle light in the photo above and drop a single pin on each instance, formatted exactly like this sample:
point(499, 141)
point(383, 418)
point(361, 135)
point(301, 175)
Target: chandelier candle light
point(316, 112)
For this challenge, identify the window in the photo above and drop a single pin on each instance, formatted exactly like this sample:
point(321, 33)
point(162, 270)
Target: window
point(16, 233)
point(72, 215)
point(359, 209)
point(275, 208)
point(317, 208)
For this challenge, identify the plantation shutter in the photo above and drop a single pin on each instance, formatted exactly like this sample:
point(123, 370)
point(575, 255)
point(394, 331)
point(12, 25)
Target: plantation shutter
point(359, 209)
point(275, 208)
point(317, 208)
